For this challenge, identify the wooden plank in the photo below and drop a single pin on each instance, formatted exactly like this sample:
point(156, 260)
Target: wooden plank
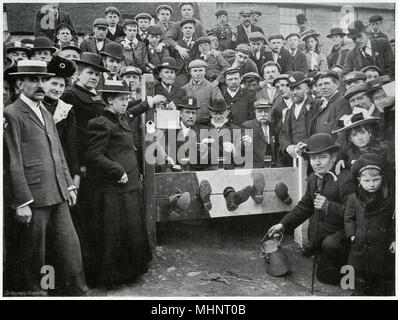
point(301, 232)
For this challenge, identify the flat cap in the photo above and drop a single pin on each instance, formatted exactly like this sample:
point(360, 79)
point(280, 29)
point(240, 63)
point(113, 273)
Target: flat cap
point(221, 12)
point(154, 30)
point(329, 74)
point(279, 78)
point(276, 36)
point(112, 9)
point(185, 3)
point(197, 64)
point(256, 36)
point(101, 22)
point(130, 70)
point(128, 22)
point(352, 91)
point(293, 34)
point(375, 18)
point(262, 104)
point(231, 71)
point(354, 76)
point(143, 15)
point(251, 75)
point(244, 48)
point(164, 7)
point(271, 63)
point(378, 82)
point(245, 11)
point(203, 39)
point(376, 68)
point(185, 21)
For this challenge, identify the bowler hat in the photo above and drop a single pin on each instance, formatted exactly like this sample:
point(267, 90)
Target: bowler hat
point(371, 68)
point(301, 18)
point(114, 50)
point(354, 76)
point(336, 32)
point(296, 78)
point(313, 76)
point(164, 6)
point(356, 119)
point(202, 39)
point(198, 63)
point(321, 142)
point(185, 21)
point(256, 36)
point(92, 60)
point(167, 63)
point(244, 48)
point(279, 78)
point(115, 86)
point(375, 18)
point(61, 67)
point(355, 28)
point(130, 70)
point(43, 43)
point(29, 42)
point(112, 9)
point(352, 91)
point(221, 12)
point(271, 63)
point(378, 83)
point(251, 75)
point(32, 67)
point(218, 105)
point(262, 103)
point(143, 15)
point(101, 22)
point(71, 45)
point(154, 30)
point(367, 161)
point(188, 102)
point(309, 34)
point(17, 46)
point(293, 34)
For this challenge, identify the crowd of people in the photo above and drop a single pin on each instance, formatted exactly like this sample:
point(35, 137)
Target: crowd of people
point(73, 151)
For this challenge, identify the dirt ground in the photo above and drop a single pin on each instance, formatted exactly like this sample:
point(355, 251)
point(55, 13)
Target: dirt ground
point(220, 257)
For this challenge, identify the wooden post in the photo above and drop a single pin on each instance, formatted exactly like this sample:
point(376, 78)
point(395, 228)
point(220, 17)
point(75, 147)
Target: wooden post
point(148, 89)
point(301, 232)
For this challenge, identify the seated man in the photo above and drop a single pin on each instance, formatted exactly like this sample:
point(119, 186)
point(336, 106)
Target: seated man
point(323, 202)
point(264, 151)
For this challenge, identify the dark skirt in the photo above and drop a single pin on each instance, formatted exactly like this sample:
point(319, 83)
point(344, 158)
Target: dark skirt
point(120, 250)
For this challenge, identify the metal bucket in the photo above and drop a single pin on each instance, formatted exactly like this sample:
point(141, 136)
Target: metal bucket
point(277, 263)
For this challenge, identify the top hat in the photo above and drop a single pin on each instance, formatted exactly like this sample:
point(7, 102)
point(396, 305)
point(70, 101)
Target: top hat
point(218, 105)
point(43, 43)
point(112, 9)
point(101, 22)
point(32, 67)
point(375, 18)
point(321, 142)
point(143, 15)
point(356, 119)
point(61, 67)
point(336, 32)
point(114, 50)
point(221, 12)
point(115, 86)
point(167, 63)
point(367, 161)
point(355, 28)
point(70, 45)
point(17, 46)
point(296, 78)
point(164, 6)
point(309, 34)
point(188, 103)
point(92, 60)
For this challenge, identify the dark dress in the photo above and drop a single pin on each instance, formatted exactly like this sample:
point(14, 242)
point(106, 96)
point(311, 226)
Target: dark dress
point(120, 249)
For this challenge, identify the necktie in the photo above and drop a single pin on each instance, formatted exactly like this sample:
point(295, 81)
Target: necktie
point(275, 55)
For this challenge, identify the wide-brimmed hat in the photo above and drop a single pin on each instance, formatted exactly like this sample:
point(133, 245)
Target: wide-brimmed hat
point(367, 161)
point(355, 28)
point(130, 70)
point(188, 102)
point(377, 83)
point(356, 119)
point(92, 60)
point(296, 78)
point(218, 105)
point(336, 32)
point(371, 68)
point(61, 67)
point(115, 86)
point(32, 67)
point(321, 142)
point(354, 76)
point(308, 34)
point(17, 46)
point(167, 63)
point(352, 91)
point(113, 50)
point(72, 45)
point(43, 43)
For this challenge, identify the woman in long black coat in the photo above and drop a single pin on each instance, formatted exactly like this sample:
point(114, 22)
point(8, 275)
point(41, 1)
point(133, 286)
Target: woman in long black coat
point(120, 250)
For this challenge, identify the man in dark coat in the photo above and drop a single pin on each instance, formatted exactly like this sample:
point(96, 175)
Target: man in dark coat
point(223, 31)
point(279, 54)
point(112, 14)
point(323, 202)
point(375, 22)
point(42, 188)
point(48, 18)
point(377, 52)
point(264, 149)
point(245, 28)
point(259, 54)
point(299, 62)
point(98, 41)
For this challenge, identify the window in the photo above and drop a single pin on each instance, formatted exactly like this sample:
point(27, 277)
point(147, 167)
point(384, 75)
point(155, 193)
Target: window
point(5, 21)
point(287, 19)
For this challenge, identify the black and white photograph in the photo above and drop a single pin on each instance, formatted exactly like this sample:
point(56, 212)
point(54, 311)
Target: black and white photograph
point(193, 150)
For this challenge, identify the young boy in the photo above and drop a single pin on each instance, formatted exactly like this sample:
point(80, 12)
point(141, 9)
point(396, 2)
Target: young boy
point(143, 20)
point(369, 224)
point(298, 57)
point(63, 35)
point(157, 50)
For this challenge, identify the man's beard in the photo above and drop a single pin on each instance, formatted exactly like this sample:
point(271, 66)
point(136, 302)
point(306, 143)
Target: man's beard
point(218, 124)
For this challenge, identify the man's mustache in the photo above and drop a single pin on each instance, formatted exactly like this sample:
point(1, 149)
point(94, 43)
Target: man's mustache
point(39, 91)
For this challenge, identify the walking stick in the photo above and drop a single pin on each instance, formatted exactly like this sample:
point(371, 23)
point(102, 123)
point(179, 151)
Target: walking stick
point(317, 213)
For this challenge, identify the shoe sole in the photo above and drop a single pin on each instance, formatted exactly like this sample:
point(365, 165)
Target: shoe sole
point(184, 201)
point(259, 184)
point(204, 193)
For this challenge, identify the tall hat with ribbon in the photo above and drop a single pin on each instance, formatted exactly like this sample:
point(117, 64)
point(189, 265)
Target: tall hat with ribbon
point(32, 68)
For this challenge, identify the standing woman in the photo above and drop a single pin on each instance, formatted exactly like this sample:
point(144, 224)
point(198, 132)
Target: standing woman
point(120, 250)
point(316, 61)
point(339, 50)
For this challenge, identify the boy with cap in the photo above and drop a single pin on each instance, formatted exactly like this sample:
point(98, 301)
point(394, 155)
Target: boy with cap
point(226, 38)
point(157, 51)
point(267, 91)
point(241, 59)
point(323, 202)
point(143, 21)
point(43, 49)
point(70, 51)
point(245, 27)
point(112, 15)
point(368, 51)
point(279, 54)
point(369, 225)
point(164, 13)
point(63, 34)
point(299, 60)
point(372, 72)
point(259, 49)
point(98, 41)
point(375, 23)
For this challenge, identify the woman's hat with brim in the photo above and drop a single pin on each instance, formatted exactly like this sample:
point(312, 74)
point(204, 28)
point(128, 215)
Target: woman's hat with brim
point(43, 43)
point(359, 88)
point(113, 50)
point(115, 86)
point(33, 68)
point(309, 34)
point(321, 142)
point(92, 60)
point(358, 118)
point(336, 32)
point(379, 82)
point(188, 103)
point(167, 63)
point(61, 67)
point(296, 78)
point(218, 105)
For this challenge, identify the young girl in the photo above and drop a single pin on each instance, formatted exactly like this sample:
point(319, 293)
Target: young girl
point(369, 224)
point(120, 248)
point(316, 61)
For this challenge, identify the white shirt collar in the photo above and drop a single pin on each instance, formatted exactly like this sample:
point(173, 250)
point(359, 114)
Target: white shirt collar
point(184, 129)
point(112, 29)
point(232, 93)
point(32, 104)
point(288, 102)
point(298, 108)
point(165, 86)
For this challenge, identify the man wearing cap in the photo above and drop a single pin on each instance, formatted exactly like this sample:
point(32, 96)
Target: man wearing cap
point(372, 72)
point(279, 54)
point(166, 86)
point(323, 202)
point(259, 49)
point(164, 13)
point(295, 130)
point(245, 28)
point(264, 138)
point(132, 76)
point(42, 187)
point(302, 23)
point(240, 101)
point(241, 59)
point(203, 90)
point(299, 60)
point(251, 82)
point(333, 105)
point(223, 31)
point(375, 22)
point(354, 78)
point(143, 19)
point(339, 51)
point(358, 97)
point(97, 43)
point(368, 52)
point(63, 34)
point(17, 51)
point(43, 49)
point(255, 17)
point(112, 15)
point(70, 51)
point(271, 70)
point(48, 18)
point(157, 51)
point(315, 91)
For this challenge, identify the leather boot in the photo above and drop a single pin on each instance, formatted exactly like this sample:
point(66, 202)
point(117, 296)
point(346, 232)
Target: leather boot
point(235, 198)
point(204, 194)
point(258, 188)
point(179, 202)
